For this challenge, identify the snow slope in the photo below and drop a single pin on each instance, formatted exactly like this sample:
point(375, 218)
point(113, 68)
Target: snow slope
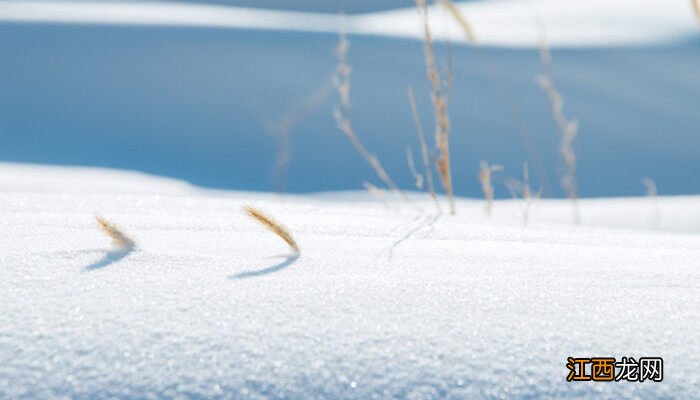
point(383, 302)
point(161, 88)
point(509, 23)
point(190, 103)
point(327, 6)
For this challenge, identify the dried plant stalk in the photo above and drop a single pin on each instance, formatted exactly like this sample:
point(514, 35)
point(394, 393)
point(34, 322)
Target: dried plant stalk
point(272, 225)
point(528, 198)
point(423, 149)
point(442, 130)
point(378, 193)
point(568, 129)
point(653, 195)
point(283, 127)
point(696, 8)
point(485, 172)
point(118, 237)
point(341, 80)
point(461, 20)
point(418, 178)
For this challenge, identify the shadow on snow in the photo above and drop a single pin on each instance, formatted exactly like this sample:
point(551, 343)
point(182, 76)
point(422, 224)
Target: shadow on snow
point(288, 261)
point(111, 257)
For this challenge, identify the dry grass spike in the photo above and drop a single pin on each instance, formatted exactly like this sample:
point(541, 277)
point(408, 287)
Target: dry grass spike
point(485, 172)
point(461, 20)
point(442, 129)
point(568, 129)
point(696, 8)
point(118, 237)
point(272, 225)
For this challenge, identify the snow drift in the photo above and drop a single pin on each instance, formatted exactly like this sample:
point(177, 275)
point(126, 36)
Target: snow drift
point(383, 303)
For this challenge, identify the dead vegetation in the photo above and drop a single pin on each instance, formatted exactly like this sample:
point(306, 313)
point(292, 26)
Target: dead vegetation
point(485, 171)
point(417, 176)
point(377, 193)
point(119, 238)
point(341, 113)
point(423, 149)
point(522, 192)
point(282, 130)
point(442, 126)
point(568, 129)
point(272, 225)
point(461, 20)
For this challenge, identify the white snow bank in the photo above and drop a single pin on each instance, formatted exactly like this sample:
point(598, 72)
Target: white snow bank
point(383, 303)
point(496, 22)
point(568, 23)
point(162, 14)
point(18, 178)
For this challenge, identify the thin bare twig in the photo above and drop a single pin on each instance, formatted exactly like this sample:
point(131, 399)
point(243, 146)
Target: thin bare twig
point(341, 80)
point(424, 149)
point(492, 69)
point(418, 178)
point(282, 130)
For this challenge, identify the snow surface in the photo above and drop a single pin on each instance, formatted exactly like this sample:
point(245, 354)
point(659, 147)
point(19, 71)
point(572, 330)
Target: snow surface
point(383, 302)
point(109, 96)
point(166, 92)
point(511, 23)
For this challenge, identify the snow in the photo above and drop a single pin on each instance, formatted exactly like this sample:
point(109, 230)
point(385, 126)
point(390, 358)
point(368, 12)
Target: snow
point(635, 106)
point(384, 302)
point(64, 83)
point(510, 23)
point(568, 23)
point(168, 14)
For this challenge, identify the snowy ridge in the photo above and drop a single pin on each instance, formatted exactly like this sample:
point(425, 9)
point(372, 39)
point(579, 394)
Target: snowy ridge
point(382, 303)
point(511, 23)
